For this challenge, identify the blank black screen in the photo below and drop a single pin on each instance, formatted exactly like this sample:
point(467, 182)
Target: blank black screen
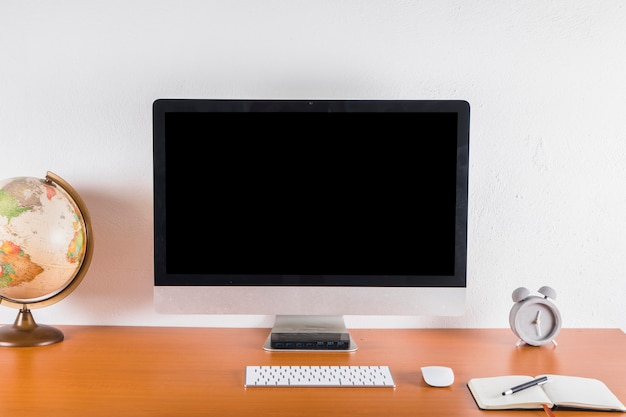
point(290, 197)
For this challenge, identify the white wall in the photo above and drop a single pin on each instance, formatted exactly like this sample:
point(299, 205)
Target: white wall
point(546, 81)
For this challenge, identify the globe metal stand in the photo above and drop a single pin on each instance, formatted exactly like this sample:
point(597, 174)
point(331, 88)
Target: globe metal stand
point(26, 332)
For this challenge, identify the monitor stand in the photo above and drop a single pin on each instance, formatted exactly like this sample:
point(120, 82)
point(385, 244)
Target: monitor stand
point(309, 334)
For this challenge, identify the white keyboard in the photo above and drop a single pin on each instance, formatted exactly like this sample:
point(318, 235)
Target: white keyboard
point(318, 376)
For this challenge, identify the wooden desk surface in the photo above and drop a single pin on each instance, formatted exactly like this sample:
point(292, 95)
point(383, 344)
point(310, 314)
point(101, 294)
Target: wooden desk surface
point(178, 372)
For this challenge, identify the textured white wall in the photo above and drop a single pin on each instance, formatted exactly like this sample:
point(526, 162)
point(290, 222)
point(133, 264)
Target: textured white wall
point(546, 80)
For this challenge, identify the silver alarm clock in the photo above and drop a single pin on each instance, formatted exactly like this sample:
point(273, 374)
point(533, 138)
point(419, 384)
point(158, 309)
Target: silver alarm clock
point(535, 319)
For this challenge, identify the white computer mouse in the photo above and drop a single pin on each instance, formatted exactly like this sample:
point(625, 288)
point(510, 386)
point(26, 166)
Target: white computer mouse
point(438, 376)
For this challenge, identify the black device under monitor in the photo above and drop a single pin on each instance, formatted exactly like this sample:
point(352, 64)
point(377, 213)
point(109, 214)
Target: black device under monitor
point(310, 209)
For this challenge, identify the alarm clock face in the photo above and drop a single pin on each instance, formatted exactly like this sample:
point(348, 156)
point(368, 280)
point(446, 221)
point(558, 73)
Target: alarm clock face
point(535, 320)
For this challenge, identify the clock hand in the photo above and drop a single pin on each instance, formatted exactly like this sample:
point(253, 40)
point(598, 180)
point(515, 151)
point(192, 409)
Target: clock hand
point(538, 318)
point(537, 323)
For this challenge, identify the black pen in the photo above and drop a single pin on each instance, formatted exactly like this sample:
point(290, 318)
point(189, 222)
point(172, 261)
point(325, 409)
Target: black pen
point(525, 385)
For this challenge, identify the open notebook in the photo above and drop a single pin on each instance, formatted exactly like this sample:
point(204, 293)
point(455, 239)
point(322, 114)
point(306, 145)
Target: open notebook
point(559, 392)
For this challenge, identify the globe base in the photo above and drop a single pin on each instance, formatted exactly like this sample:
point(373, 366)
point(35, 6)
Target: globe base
point(25, 332)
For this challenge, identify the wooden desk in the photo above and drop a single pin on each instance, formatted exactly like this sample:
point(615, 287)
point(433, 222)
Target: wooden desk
point(179, 372)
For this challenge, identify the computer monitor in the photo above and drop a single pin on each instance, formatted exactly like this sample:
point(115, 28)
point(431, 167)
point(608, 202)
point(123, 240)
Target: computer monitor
point(310, 210)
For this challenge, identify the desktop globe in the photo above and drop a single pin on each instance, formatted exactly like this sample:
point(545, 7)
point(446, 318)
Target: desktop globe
point(46, 246)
